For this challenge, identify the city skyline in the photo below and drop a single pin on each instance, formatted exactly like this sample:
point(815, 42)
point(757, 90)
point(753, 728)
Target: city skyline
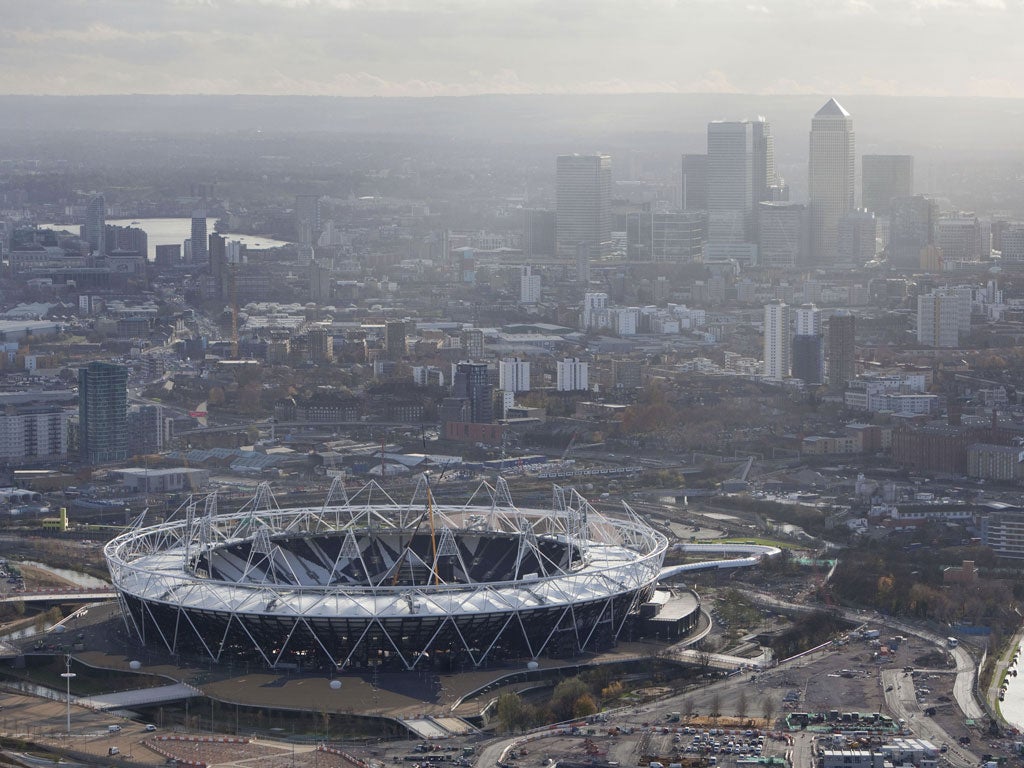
point(459, 47)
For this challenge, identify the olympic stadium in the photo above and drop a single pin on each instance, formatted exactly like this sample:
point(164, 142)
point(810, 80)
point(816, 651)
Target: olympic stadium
point(366, 581)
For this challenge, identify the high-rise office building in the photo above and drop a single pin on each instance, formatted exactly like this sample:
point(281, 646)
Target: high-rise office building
point(514, 375)
point(913, 227)
point(884, 178)
point(857, 238)
point(103, 412)
point(730, 180)
point(776, 341)
point(695, 183)
point(842, 351)
point(938, 320)
point(583, 189)
point(200, 249)
point(571, 375)
point(538, 233)
point(676, 237)
point(472, 382)
point(95, 229)
point(830, 179)
point(781, 235)
point(763, 178)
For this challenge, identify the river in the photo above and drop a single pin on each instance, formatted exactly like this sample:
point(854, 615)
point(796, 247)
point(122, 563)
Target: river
point(175, 232)
point(75, 577)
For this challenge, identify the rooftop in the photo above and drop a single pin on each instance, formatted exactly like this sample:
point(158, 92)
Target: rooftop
point(832, 108)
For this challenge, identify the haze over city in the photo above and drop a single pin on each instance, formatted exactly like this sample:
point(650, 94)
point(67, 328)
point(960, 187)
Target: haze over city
point(502, 384)
point(466, 47)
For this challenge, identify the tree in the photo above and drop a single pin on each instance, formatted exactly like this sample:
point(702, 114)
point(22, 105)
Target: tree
point(510, 711)
point(768, 710)
point(584, 706)
point(565, 695)
point(716, 707)
point(742, 702)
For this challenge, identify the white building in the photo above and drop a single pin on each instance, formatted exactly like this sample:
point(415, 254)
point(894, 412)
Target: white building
point(624, 320)
point(529, 286)
point(938, 320)
point(777, 337)
point(831, 178)
point(34, 434)
point(808, 320)
point(514, 375)
point(583, 187)
point(572, 375)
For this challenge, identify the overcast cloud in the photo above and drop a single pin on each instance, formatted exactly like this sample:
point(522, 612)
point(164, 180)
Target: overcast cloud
point(459, 47)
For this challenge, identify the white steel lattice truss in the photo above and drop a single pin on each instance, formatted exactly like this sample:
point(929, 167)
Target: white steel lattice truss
point(365, 580)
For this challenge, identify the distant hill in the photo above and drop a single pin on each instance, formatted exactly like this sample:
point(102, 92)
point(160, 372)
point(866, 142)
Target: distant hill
point(883, 124)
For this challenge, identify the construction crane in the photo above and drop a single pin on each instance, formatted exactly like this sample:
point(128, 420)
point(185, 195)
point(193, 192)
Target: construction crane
point(570, 446)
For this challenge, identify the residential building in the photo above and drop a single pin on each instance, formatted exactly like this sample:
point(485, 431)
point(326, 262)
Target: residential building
point(103, 412)
point(938, 321)
point(777, 341)
point(472, 382)
point(33, 433)
point(200, 249)
point(529, 286)
point(841, 350)
point(572, 375)
point(594, 304)
point(962, 238)
point(395, 332)
point(95, 230)
point(514, 375)
point(831, 178)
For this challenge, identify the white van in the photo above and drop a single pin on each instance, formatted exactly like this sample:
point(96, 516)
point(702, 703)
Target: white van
point(113, 729)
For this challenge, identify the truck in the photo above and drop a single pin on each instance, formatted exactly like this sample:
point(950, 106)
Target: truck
point(952, 642)
point(870, 634)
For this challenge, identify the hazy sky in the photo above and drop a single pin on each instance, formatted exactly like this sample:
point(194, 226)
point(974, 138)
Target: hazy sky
point(457, 47)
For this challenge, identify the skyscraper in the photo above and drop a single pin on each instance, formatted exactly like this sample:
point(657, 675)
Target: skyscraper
point(673, 237)
point(730, 191)
point(95, 224)
point(808, 357)
point(913, 227)
point(883, 178)
point(842, 352)
point(763, 177)
point(776, 341)
point(857, 238)
point(307, 218)
point(831, 178)
point(781, 235)
point(103, 412)
point(583, 189)
point(200, 251)
point(695, 183)
point(538, 233)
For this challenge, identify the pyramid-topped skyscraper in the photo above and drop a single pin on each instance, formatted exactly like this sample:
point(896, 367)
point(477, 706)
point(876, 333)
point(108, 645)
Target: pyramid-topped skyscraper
point(831, 178)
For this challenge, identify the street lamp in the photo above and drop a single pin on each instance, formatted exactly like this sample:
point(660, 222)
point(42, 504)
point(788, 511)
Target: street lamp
point(67, 675)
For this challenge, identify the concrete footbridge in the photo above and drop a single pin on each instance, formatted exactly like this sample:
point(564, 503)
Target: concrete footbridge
point(749, 555)
point(61, 595)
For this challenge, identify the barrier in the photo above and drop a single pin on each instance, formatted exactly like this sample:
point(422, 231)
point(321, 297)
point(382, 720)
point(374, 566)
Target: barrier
point(342, 754)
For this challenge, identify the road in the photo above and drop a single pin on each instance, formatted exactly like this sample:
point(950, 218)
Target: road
point(901, 699)
point(963, 687)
